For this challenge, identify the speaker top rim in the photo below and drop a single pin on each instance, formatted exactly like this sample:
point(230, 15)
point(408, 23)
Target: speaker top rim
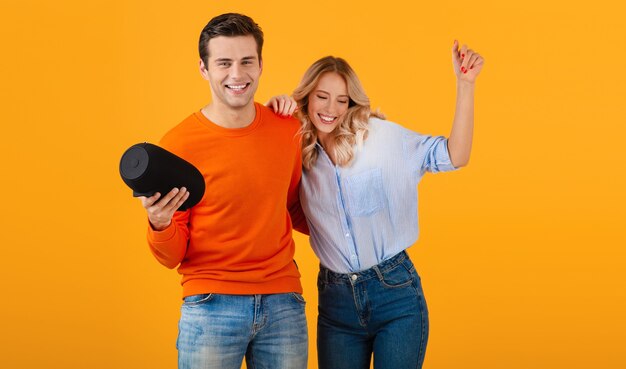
point(134, 162)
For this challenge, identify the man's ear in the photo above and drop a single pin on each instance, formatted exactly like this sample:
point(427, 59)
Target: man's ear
point(203, 70)
point(261, 66)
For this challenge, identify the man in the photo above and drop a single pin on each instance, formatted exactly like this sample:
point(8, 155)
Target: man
point(241, 287)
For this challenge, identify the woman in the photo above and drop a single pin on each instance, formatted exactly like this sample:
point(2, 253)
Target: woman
point(359, 196)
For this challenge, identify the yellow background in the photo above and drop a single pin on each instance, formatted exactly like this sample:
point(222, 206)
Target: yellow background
point(521, 253)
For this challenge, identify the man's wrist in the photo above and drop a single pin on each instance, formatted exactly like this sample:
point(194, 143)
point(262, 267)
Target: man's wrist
point(159, 226)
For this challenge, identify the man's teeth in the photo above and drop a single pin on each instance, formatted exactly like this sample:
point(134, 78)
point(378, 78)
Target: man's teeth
point(237, 87)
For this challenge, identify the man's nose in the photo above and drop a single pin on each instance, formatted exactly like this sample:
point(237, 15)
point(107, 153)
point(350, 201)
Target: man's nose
point(236, 71)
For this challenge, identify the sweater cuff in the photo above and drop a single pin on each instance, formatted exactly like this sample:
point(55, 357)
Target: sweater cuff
point(161, 236)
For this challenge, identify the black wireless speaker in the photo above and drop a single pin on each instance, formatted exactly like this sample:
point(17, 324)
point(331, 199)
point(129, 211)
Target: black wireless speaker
point(148, 169)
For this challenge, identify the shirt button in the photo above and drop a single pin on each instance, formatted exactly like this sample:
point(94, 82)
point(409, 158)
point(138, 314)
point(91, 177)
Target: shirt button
point(354, 277)
point(347, 234)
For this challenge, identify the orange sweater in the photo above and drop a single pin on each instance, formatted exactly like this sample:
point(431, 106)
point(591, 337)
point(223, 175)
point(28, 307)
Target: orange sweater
point(237, 240)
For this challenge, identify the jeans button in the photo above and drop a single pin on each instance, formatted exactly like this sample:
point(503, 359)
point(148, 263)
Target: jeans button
point(354, 277)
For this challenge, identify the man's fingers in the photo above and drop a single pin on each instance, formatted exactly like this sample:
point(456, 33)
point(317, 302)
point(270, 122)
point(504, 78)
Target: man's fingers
point(168, 198)
point(149, 201)
point(182, 200)
point(162, 204)
point(172, 205)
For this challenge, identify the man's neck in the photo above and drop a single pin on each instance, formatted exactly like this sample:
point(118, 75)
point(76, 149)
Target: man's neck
point(228, 117)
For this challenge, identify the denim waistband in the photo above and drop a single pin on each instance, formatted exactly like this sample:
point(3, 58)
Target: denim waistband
point(328, 276)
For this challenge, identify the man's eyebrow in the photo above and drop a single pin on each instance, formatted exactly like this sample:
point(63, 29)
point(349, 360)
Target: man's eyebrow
point(230, 60)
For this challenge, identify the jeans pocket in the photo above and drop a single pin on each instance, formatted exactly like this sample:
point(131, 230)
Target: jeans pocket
point(199, 299)
point(396, 277)
point(410, 267)
point(298, 297)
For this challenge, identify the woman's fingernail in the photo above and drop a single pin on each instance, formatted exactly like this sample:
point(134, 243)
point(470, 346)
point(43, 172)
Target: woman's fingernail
point(462, 55)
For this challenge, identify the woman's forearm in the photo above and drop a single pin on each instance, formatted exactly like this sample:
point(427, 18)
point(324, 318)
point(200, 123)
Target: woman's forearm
point(460, 140)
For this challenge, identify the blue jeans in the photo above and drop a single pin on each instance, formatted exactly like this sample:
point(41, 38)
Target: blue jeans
point(380, 310)
point(218, 331)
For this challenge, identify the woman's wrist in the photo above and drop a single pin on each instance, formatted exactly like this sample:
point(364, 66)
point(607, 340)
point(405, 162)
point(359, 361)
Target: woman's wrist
point(465, 84)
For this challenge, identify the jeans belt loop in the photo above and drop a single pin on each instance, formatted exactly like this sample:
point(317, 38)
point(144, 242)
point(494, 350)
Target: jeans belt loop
point(378, 273)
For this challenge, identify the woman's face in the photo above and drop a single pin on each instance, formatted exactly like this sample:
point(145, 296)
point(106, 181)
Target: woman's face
point(328, 102)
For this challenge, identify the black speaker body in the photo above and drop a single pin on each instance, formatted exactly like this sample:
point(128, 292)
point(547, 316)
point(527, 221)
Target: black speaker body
point(147, 169)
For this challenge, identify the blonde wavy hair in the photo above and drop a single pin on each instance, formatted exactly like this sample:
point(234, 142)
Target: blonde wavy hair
point(352, 128)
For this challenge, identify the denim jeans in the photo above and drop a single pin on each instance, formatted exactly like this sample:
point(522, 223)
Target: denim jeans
point(380, 310)
point(218, 331)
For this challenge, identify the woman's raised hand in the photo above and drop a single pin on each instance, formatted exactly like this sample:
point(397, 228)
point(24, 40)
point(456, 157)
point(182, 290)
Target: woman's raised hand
point(467, 63)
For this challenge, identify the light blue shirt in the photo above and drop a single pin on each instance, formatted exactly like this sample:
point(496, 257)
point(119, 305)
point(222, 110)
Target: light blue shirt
point(365, 213)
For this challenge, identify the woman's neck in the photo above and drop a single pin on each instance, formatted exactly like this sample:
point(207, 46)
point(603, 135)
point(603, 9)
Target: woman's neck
point(328, 143)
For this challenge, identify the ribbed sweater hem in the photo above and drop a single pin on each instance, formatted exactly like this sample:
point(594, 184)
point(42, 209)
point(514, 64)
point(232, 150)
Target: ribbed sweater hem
point(281, 285)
